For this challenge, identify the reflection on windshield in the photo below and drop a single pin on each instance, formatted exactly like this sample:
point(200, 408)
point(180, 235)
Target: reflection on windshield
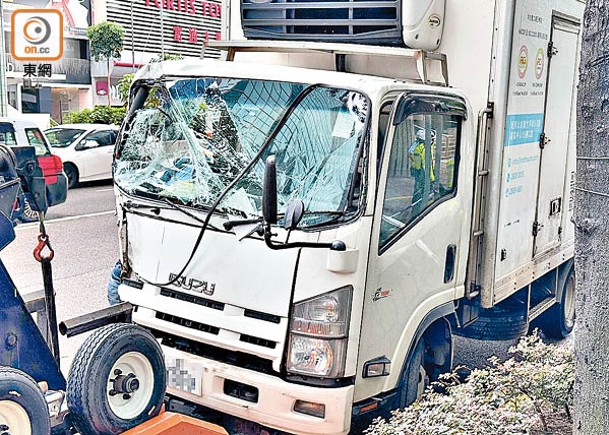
point(192, 139)
point(62, 137)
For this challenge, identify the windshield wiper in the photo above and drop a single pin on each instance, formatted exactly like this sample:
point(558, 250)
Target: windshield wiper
point(189, 214)
point(336, 215)
point(157, 210)
point(230, 224)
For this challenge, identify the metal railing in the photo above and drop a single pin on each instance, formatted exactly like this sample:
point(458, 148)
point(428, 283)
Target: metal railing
point(77, 71)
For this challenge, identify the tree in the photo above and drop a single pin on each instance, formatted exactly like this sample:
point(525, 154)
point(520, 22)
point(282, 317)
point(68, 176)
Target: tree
point(106, 41)
point(124, 84)
point(592, 227)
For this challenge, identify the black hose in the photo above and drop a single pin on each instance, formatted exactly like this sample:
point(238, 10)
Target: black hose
point(241, 174)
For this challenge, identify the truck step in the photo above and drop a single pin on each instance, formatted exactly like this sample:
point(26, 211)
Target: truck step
point(541, 307)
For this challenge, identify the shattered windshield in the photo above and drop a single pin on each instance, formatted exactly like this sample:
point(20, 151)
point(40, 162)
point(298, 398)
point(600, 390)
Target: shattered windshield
point(192, 137)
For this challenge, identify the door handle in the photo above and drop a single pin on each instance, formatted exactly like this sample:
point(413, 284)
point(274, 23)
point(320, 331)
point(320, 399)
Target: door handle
point(449, 264)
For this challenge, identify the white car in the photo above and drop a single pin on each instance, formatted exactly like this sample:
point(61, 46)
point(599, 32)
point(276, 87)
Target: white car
point(85, 149)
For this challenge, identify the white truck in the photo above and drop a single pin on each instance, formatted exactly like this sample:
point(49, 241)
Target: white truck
point(305, 225)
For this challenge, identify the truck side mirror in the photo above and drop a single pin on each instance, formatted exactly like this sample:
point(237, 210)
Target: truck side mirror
point(32, 177)
point(269, 191)
point(293, 214)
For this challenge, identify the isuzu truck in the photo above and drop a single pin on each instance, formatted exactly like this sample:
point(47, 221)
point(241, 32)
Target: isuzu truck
point(307, 221)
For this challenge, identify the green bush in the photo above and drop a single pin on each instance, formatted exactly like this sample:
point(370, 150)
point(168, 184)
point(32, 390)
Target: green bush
point(82, 117)
point(99, 115)
point(530, 391)
point(118, 115)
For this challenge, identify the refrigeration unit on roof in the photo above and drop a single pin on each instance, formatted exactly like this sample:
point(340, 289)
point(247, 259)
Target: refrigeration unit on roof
point(411, 23)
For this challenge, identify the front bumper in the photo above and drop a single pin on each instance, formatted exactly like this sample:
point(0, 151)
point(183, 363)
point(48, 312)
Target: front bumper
point(276, 398)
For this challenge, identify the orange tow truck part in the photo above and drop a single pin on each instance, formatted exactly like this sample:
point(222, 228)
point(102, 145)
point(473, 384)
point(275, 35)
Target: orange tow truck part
point(169, 423)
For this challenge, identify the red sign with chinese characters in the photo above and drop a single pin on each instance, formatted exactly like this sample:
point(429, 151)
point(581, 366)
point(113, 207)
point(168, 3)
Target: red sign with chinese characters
point(193, 35)
point(207, 9)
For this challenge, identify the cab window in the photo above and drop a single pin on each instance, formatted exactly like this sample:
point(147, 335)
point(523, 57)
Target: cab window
point(36, 139)
point(422, 168)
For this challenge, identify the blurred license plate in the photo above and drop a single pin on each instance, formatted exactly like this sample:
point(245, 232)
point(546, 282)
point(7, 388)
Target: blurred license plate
point(236, 426)
point(183, 375)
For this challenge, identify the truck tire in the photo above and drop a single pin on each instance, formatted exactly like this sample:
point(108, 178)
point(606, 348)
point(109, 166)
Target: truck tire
point(23, 409)
point(414, 379)
point(497, 323)
point(117, 380)
point(559, 320)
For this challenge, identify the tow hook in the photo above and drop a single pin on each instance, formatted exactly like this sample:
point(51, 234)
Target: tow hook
point(124, 384)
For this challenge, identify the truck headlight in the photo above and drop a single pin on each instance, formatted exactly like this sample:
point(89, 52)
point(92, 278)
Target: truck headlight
point(318, 334)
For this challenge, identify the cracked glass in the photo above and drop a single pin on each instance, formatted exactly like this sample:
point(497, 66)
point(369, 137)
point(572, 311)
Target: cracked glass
point(193, 137)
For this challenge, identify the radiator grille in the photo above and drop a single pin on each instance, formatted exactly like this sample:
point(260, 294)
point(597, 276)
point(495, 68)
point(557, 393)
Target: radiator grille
point(258, 341)
point(188, 323)
point(192, 299)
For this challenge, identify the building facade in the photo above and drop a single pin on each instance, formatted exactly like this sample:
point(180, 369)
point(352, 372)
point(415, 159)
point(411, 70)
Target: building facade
point(66, 86)
point(153, 28)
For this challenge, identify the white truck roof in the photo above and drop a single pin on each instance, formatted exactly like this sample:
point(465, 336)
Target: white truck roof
point(369, 84)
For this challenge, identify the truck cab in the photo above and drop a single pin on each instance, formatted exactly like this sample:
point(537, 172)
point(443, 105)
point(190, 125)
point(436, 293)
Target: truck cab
point(369, 158)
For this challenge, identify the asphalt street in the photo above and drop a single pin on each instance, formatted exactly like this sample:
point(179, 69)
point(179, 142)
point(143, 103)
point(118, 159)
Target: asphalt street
point(84, 237)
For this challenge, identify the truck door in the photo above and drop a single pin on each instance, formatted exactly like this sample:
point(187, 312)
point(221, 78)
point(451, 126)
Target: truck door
point(559, 134)
point(419, 239)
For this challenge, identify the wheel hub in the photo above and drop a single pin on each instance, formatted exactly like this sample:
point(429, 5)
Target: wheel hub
point(124, 384)
point(130, 385)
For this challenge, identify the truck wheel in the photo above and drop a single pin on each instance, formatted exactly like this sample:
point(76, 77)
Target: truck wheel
point(558, 321)
point(498, 323)
point(415, 378)
point(23, 409)
point(117, 380)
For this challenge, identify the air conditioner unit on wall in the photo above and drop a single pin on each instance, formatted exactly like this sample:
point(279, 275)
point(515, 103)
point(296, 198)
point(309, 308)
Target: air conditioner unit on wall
point(411, 23)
